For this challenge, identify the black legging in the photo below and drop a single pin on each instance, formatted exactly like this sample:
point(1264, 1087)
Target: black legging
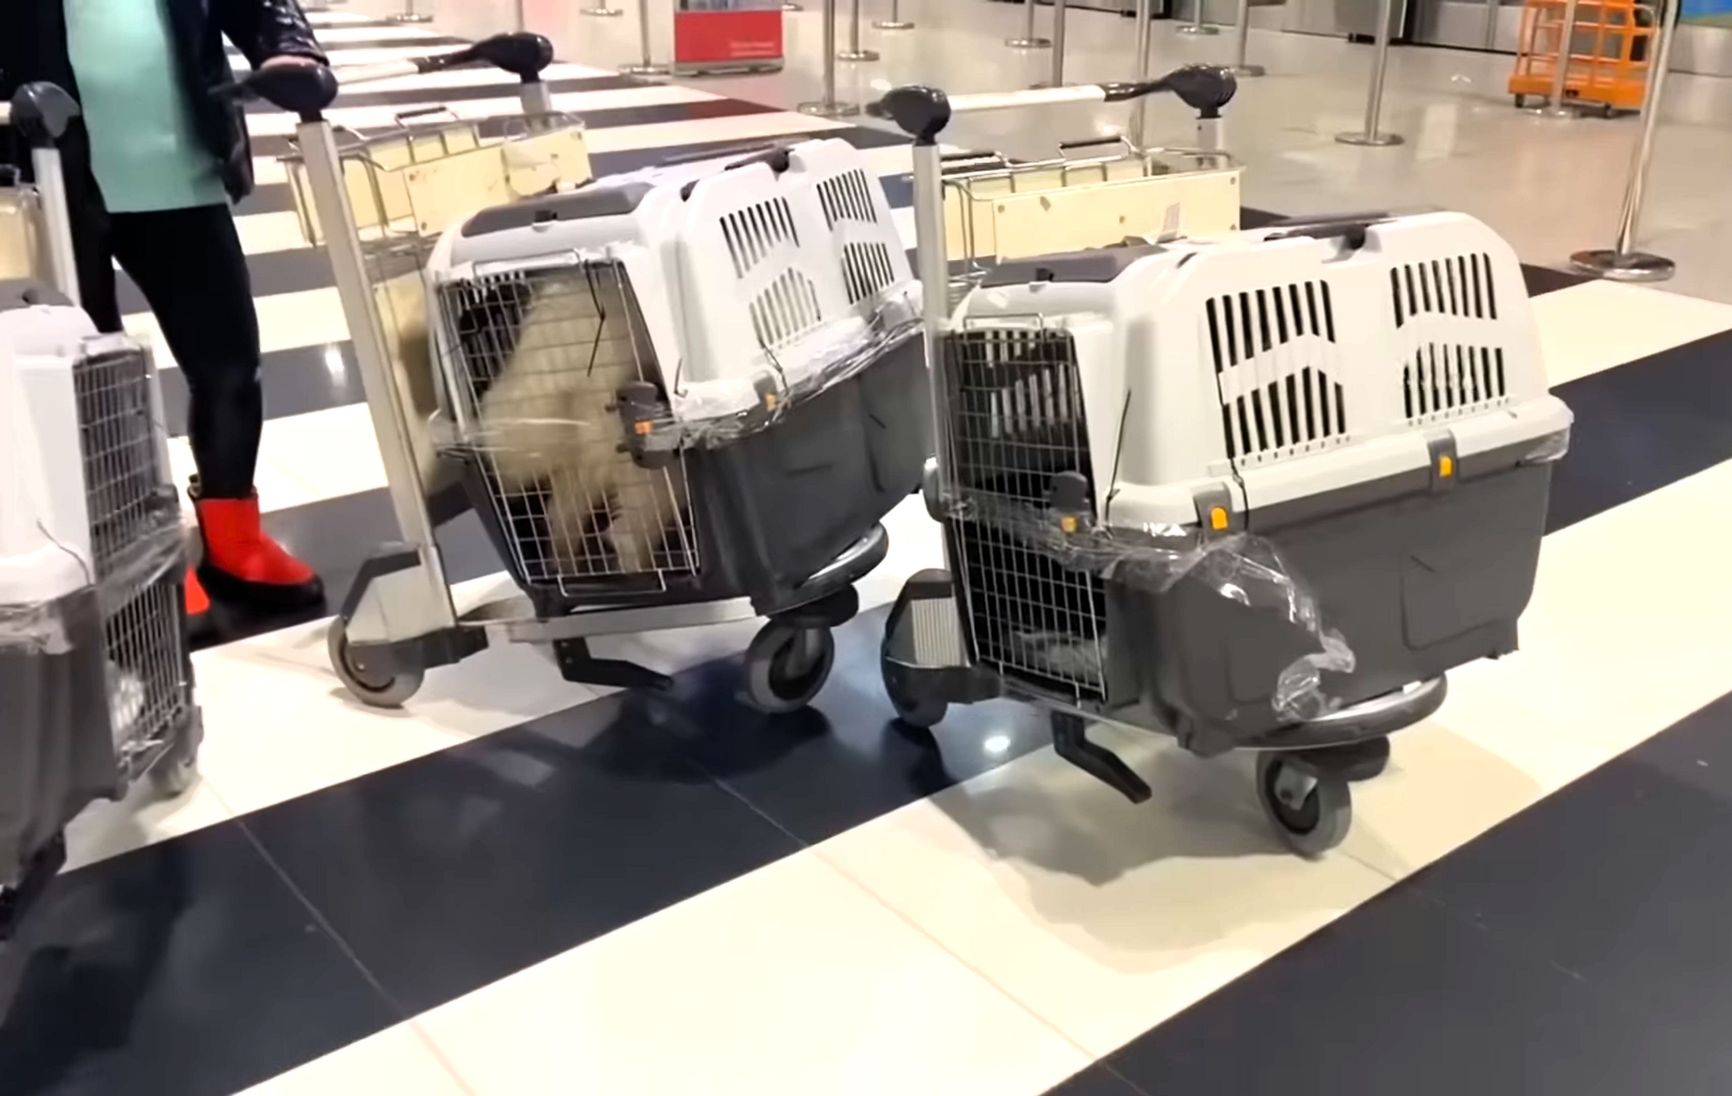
point(190, 267)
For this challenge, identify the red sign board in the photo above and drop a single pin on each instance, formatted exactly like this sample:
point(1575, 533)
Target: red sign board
point(744, 38)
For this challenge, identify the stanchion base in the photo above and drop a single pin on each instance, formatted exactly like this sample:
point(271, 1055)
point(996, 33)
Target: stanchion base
point(644, 70)
point(1631, 266)
point(416, 17)
point(1028, 43)
point(602, 13)
point(1564, 113)
point(791, 6)
point(822, 109)
point(1250, 70)
point(893, 24)
point(1197, 28)
point(856, 55)
point(1369, 140)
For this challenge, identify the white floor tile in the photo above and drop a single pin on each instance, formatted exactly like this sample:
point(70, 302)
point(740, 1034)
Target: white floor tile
point(395, 1060)
point(787, 980)
point(1597, 325)
point(144, 817)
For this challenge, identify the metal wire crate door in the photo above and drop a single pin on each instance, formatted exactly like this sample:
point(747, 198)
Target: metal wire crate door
point(1015, 420)
point(131, 510)
point(538, 357)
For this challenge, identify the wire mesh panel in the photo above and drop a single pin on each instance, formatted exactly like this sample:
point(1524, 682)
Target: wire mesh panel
point(1016, 420)
point(149, 686)
point(539, 359)
point(123, 477)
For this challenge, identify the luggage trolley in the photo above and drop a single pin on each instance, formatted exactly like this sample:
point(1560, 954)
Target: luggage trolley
point(1260, 491)
point(676, 397)
point(95, 677)
point(1094, 193)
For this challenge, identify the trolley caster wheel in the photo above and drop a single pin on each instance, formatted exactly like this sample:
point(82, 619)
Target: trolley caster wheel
point(374, 689)
point(920, 712)
point(787, 665)
point(1311, 810)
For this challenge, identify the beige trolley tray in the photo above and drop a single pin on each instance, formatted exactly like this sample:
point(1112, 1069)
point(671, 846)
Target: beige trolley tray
point(21, 254)
point(995, 209)
point(405, 187)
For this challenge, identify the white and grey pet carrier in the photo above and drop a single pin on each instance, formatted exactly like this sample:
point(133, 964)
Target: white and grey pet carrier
point(673, 397)
point(1257, 491)
point(95, 678)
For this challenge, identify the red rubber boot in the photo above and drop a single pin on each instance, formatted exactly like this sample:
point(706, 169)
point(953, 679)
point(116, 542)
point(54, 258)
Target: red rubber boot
point(198, 619)
point(243, 564)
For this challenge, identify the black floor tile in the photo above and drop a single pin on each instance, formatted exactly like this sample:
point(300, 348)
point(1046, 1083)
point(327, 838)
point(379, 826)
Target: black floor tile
point(701, 110)
point(451, 871)
point(1623, 880)
point(417, 97)
point(1696, 752)
point(305, 378)
point(1642, 426)
point(1402, 996)
point(1097, 1080)
point(184, 968)
point(846, 759)
point(1545, 279)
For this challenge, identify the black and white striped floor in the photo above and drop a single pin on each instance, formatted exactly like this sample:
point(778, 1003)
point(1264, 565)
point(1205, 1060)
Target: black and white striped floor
point(522, 885)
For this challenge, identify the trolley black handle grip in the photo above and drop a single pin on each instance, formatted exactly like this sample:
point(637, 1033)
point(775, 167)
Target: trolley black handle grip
point(420, 112)
point(1090, 142)
point(305, 90)
point(41, 112)
point(1203, 88)
point(522, 53)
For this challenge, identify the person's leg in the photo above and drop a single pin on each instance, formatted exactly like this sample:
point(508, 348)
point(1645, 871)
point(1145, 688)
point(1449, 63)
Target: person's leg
point(190, 267)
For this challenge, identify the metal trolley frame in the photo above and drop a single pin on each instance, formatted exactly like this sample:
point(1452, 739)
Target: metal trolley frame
point(399, 618)
point(1304, 769)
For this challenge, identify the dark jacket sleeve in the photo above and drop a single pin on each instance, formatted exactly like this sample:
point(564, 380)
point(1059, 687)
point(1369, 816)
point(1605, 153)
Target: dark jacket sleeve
point(262, 29)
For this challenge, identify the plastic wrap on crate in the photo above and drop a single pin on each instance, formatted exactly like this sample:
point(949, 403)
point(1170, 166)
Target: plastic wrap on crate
point(558, 408)
point(1552, 447)
point(44, 627)
point(67, 711)
point(1241, 567)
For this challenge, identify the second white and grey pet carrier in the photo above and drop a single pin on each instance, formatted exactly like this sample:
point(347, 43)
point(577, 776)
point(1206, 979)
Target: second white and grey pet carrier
point(674, 397)
point(1259, 491)
point(95, 678)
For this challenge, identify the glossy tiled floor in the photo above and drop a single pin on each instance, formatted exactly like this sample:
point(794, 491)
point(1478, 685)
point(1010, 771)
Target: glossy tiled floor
point(522, 885)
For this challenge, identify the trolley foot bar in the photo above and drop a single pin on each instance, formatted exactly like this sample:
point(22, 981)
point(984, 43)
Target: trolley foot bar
point(1070, 741)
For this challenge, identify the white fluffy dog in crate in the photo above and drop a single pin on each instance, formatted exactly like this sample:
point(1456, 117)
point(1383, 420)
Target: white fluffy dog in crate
point(549, 427)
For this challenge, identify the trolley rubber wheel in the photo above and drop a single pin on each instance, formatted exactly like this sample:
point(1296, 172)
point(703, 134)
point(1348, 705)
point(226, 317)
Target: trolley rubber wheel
point(920, 712)
point(372, 689)
point(787, 665)
point(1311, 810)
point(176, 771)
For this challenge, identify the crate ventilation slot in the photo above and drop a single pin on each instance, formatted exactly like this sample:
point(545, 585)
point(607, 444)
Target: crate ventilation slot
point(1461, 285)
point(846, 197)
point(1282, 401)
point(1449, 380)
point(754, 233)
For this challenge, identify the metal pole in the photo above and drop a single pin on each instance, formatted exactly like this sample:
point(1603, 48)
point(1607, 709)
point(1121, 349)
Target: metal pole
point(602, 11)
point(645, 66)
point(895, 22)
point(829, 106)
point(517, 7)
point(1196, 25)
point(56, 222)
point(1623, 263)
point(1554, 106)
point(409, 15)
point(1028, 39)
point(1057, 78)
point(1139, 108)
point(1374, 100)
point(854, 52)
point(1241, 67)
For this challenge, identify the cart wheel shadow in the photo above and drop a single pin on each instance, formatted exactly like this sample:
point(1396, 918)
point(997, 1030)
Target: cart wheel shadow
point(1078, 854)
